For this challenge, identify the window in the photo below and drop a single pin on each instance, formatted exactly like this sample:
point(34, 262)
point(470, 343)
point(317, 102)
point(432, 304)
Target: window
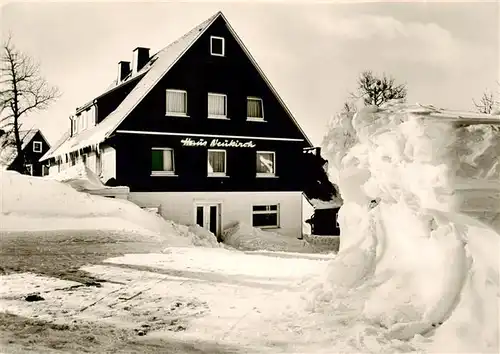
point(255, 109)
point(162, 162)
point(29, 169)
point(45, 170)
point(217, 46)
point(217, 105)
point(80, 123)
point(265, 216)
point(216, 162)
point(176, 103)
point(74, 124)
point(266, 163)
point(37, 146)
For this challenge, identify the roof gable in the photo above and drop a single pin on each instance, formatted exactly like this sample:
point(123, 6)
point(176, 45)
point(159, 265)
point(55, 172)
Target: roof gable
point(8, 151)
point(158, 66)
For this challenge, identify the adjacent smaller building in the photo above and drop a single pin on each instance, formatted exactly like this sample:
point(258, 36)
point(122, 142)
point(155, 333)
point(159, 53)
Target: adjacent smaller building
point(34, 146)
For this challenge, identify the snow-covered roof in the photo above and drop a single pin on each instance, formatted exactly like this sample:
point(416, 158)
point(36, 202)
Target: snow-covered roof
point(8, 152)
point(156, 69)
point(153, 71)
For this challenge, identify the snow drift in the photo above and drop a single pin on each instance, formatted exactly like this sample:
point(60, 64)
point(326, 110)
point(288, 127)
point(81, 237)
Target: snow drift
point(81, 178)
point(35, 203)
point(247, 238)
point(414, 264)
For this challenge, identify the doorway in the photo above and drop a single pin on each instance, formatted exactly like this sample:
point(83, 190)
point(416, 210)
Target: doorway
point(208, 216)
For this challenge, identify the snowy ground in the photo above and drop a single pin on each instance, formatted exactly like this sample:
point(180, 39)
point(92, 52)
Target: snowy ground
point(209, 299)
point(203, 296)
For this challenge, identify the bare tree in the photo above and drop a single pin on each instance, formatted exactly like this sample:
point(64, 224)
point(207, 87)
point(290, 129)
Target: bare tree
point(22, 90)
point(377, 90)
point(486, 103)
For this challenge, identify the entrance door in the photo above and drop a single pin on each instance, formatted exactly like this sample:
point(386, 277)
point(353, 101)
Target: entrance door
point(207, 216)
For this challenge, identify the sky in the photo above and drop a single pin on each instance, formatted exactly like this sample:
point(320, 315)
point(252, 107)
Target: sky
point(446, 53)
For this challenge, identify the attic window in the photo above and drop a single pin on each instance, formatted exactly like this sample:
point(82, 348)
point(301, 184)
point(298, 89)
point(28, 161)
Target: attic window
point(37, 146)
point(217, 46)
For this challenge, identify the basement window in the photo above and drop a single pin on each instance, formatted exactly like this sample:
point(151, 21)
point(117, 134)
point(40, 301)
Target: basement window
point(217, 46)
point(37, 146)
point(266, 216)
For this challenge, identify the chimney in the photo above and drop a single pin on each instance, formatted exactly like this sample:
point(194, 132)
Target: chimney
point(123, 70)
point(141, 57)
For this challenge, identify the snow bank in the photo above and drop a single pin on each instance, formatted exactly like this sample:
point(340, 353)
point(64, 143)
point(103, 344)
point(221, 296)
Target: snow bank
point(35, 203)
point(245, 237)
point(414, 260)
point(80, 178)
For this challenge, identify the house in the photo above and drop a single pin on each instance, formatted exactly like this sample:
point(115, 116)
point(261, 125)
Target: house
point(34, 146)
point(197, 131)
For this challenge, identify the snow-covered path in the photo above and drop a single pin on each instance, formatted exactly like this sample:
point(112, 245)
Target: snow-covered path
point(253, 302)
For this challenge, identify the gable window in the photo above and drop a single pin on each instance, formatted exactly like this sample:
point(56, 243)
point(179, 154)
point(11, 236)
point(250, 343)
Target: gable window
point(176, 103)
point(255, 109)
point(37, 146)
point(162, 162)
point(216, 162)
point(217, 46)
point(266, 164)
point(217, 105)
point(266, 216)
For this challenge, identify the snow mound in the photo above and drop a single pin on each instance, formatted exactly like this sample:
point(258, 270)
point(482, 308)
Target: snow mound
point(80, 178)
point(245, 237)
point(197, 235)
point(414, 266)
point(36, 203)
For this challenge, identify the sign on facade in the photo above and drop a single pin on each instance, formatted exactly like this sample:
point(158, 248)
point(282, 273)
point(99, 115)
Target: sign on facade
point(214, 143)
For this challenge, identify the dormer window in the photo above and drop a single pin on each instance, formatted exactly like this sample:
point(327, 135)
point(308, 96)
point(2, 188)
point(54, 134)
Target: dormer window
point(217, 46)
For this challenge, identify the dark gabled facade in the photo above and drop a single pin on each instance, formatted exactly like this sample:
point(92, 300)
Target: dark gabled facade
point(34, 146)
point(198, 73)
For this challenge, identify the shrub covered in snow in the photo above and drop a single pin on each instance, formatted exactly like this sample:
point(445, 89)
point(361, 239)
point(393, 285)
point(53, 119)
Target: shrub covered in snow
point(245, 237)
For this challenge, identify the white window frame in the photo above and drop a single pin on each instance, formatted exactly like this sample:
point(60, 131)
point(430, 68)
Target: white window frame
point(277, 212)
point(37, 143)
point(75, 125)
point(29, 166)
point(215, 116)
point(176, 114)
point(217, 174)
point(259, 174)
point(223, 46)
point(255, 119)
point(165, 173)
